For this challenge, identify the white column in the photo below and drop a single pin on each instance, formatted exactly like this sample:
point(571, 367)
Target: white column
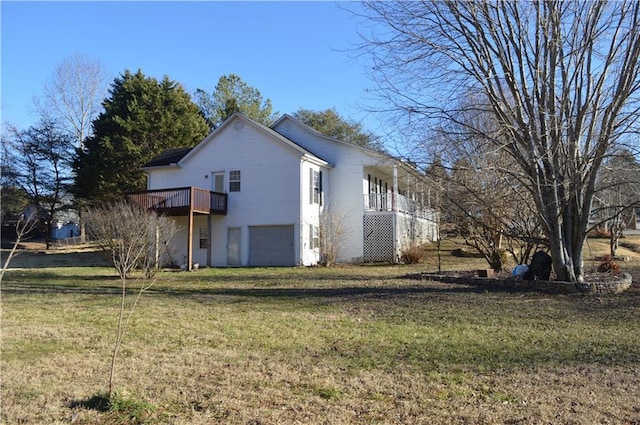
point(396, 223)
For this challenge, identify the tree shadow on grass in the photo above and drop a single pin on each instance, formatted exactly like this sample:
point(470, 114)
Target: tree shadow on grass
point(98, 402)
point(314, 292)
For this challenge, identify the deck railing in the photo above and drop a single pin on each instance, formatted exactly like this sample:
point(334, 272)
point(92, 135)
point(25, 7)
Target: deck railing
point(182, 200)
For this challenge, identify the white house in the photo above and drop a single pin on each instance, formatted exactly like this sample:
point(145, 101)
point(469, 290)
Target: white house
point(251, 195)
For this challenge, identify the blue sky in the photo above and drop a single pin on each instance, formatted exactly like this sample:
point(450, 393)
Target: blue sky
point(295, 53)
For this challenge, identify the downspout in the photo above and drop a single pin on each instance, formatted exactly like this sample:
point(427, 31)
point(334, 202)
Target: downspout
point(301, 248)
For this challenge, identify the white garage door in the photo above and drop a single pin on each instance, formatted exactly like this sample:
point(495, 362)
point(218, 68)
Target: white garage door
point(271, 246)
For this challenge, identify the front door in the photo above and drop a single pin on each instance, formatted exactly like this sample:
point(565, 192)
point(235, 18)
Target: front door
point(233, 246)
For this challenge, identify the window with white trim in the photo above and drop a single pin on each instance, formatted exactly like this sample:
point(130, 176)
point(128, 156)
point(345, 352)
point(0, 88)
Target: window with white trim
point(203, 238)
point(315, 187)
point(314, 238)
point(234, 181)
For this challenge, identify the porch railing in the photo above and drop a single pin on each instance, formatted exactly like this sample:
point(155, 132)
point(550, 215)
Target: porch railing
point(395, 202)
point(182, 200)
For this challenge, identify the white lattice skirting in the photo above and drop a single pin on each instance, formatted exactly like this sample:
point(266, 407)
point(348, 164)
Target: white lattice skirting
point(378, 238)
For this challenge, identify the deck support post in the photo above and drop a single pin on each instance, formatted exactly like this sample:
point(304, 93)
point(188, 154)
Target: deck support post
point(190, 233)
point(209, 242)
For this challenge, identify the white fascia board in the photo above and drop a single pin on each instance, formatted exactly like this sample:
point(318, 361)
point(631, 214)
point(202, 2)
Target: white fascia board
point(317, 161)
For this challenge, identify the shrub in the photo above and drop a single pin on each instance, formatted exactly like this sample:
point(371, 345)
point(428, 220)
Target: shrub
point(331, 234)
point(412, 254)
point(608, 265)
point(599, 233)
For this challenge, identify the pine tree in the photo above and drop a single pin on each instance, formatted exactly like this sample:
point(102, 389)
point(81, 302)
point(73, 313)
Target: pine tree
point(233, 95)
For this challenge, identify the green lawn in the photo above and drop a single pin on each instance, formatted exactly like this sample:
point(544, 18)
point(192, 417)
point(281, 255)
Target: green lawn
point(356, 344)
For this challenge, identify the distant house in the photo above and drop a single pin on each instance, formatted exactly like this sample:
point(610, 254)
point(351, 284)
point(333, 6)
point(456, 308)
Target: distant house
point(62, 229)
point(63, 226)
point(251, 195)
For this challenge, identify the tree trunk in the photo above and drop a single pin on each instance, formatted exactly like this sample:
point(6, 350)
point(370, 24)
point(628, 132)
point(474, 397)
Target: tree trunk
point(119, 332)
point(567, 236)
point(613, 243)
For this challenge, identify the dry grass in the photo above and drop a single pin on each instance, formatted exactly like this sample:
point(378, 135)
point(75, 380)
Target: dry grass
point(340, 345)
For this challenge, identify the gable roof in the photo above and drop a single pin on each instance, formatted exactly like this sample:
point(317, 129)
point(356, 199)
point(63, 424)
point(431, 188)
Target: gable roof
point(279, 138)
point(176, 157)
point(168, 157)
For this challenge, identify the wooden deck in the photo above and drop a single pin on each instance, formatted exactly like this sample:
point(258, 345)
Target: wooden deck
point(181, 201)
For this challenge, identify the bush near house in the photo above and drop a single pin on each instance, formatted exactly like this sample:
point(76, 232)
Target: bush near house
point(412, 254)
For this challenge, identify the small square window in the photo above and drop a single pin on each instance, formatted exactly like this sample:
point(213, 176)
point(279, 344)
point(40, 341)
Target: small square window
point(234, 181)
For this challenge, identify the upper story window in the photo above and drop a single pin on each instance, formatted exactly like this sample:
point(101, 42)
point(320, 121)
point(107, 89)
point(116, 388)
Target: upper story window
point(218, 182)
point(234, 181)
point(315, 187)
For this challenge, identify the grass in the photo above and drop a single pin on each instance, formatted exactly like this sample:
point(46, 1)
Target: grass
point(350, 344)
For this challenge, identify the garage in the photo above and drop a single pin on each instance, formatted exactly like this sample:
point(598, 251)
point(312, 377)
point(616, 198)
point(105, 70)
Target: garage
point(271, 246)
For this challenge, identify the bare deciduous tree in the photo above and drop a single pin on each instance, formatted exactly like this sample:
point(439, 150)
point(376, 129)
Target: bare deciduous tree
point(618, 195)
point(483, 201)
point(73, 95)
point(561, 80)
point(134, 239)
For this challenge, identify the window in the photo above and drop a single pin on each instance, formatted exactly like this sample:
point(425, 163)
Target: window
point(203, 238)
point(314, 239)
point(218, 182)
point(315, 187)
point(234, 181)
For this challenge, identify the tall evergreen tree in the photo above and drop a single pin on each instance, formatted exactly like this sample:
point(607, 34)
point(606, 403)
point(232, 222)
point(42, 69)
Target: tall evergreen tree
point(233, 95)
point(142, 117)
point(330, 123)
